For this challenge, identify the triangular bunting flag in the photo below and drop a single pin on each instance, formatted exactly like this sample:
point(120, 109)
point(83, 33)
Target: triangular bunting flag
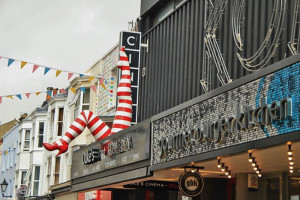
point(10, 61)
point(82, 89)
point(91, 78)
point(37, 93)
point(27, 95)
point(58, 73)
point(102, 80)
point(70, 76)
point(0, 99)
point(73, 90)
point(47, 69)
point(49, 93)
point(19, 96)
point(10, 97)
point(93, 87)
point(81, 75)
point(34, 68)
point(23, 64)
point(63, 91)
point(103, 86)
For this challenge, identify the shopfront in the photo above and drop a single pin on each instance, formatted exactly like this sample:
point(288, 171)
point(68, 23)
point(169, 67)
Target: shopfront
point(100, 170)
point(255, 118)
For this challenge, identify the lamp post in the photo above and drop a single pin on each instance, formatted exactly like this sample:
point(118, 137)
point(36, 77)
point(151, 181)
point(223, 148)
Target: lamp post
point(4, 185)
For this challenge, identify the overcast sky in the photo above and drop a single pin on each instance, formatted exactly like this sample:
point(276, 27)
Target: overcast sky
point(66, 34)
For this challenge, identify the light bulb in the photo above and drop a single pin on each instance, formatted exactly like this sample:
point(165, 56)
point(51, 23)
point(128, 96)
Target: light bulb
point(259, 175)
point(291, 171)
point(291, 167)
point(290, 152)
point(250, 159)
point(257, 171)
point(255, 168)
point(223, 168)
point(226, 173)
point(219, 165)
point(253, 164)
point(290, 158)
point(292, 163)
point(193, 171)
point(229, 176)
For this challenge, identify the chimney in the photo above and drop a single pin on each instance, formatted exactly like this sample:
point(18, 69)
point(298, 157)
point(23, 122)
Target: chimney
point(55, 91)
point(48, 96)
point(23, 116)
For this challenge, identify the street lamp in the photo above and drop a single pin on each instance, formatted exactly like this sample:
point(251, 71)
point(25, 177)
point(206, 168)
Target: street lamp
point(4, 185)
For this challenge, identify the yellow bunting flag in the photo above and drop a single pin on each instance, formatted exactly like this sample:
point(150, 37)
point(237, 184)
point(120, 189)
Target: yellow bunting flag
point(37, 93)
point(58, 73)
point(23, 64)
point(73, 90)
point(10, 97)
point(91, 78)
point(103, 86)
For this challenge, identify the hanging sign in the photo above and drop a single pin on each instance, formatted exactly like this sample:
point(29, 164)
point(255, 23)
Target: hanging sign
point(191, 184)
point(132, 43)
point(252, 182)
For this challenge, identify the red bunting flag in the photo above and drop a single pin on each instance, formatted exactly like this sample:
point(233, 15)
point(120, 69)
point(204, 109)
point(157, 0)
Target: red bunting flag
point(70, 76)
point(93, 87)
point(0, 97)
point(27, 95)
point(102, 80)
point(35, 68)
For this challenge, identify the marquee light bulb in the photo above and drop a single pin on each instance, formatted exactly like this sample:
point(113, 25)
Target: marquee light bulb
point(257, 171)
point(229, 176)
point(219, 163)
point(292, 163)
point(253, 164)
point(250, 159)
point(291, 167)
point(290, 152)
point(259, 175)
point(255, 168)
point(193, 171)
point(223, 168)
point(291, 171)
point(290, 157)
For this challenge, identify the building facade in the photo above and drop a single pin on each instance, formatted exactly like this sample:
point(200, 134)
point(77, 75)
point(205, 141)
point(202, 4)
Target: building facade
point(8, 163)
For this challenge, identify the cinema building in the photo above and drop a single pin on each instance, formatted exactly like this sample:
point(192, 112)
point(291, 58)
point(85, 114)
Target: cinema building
point(218, 93)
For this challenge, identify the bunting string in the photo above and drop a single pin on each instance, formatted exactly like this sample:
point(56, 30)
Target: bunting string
point(21, 96)
point(46, 69)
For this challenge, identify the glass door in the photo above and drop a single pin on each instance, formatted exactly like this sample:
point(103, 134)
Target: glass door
point(294, 188)
point(273, 188)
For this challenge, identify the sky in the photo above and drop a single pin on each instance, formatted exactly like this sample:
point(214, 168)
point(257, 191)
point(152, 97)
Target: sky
point(65, 34)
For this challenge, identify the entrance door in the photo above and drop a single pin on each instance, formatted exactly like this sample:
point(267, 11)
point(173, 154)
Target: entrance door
point(294, 188)
point(273, 188)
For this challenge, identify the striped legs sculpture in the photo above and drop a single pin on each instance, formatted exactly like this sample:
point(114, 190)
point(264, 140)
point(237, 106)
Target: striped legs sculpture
point(97, 127)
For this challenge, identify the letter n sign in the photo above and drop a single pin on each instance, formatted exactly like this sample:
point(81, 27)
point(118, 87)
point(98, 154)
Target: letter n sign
point(132, 43)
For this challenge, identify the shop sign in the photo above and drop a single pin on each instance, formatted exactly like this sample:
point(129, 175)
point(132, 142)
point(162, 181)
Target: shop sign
point(259, 109)
point(132, 42)
point(252, 182)
point(127, 147)
point(154, 185)
point(191, 184)
point(110, 149)
point(247, 117)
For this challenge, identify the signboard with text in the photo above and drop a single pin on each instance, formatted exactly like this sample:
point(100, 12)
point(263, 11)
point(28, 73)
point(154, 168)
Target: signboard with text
point(130, 146)
point(132, 43)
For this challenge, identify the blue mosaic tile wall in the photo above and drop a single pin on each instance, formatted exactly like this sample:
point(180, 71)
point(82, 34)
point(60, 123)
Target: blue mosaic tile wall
point(276, 86)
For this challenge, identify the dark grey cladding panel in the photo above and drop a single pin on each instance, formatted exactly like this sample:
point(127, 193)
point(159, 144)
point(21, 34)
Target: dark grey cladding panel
point(174, 60)
point(147, 5)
